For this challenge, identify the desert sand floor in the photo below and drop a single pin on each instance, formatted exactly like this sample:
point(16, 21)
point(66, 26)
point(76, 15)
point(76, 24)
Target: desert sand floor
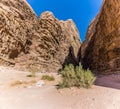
point(30, 96)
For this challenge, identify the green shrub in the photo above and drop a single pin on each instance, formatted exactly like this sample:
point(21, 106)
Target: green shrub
point(76, 76)
point(48, 78)
point(32, 73)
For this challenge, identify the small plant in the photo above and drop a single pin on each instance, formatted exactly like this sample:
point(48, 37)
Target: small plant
point(76, 76)
point(48, 78)
point(32, 73)
point(22, 83)
point(16, 83)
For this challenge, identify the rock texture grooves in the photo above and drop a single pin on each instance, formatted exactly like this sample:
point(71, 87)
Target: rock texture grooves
point(101, 49)
point(16, 23)
point(28, 42)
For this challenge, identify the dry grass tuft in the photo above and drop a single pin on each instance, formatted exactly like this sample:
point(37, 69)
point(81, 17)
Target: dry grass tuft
point(48, 78)
point(22, 83)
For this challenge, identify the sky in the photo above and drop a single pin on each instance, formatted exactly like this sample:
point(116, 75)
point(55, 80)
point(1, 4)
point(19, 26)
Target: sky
point(81, 11)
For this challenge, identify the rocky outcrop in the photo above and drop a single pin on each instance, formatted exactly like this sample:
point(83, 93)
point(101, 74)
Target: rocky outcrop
point(16, 25)
point(28, 42)
point(57, 44)
point(101, 49)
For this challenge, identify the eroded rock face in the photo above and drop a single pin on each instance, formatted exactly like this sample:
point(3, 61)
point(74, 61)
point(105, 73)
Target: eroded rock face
point(27, 42)
point(101, 49)
point(16, 25)
point(57, 44)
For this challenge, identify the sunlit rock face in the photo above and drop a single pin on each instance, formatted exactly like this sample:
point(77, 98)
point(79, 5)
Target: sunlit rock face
point(26, 42)
point(16, 25)
point(101, 49)
point(57, 44)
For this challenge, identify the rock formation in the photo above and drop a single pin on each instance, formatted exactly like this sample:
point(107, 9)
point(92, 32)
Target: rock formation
point(16, 25)
point(27, 42)
point(101, 49)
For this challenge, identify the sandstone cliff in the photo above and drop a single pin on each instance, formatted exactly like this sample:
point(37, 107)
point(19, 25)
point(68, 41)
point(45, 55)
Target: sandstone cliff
point(101, 49)
point(28, 42)
point(16, 23)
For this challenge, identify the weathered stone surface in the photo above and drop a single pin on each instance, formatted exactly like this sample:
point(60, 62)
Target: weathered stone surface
point(16, 22)
point(57, 44)
point(29, 42)
point(101, 49)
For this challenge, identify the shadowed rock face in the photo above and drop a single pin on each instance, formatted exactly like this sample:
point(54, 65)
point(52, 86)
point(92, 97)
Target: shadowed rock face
point(101, 49)
point(28, 42)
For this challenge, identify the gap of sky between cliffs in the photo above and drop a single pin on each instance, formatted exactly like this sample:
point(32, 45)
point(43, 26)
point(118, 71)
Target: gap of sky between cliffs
point(81, 11)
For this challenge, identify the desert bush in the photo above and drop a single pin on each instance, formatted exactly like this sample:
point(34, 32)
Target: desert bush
point(76, 76)
point(48, 78)
point(32, 72)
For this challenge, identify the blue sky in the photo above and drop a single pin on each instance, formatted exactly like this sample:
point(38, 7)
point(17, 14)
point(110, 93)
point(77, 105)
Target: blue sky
point(81, 11)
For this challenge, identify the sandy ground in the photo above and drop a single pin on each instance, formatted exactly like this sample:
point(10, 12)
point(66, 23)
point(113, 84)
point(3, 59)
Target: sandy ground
point(48, 97)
